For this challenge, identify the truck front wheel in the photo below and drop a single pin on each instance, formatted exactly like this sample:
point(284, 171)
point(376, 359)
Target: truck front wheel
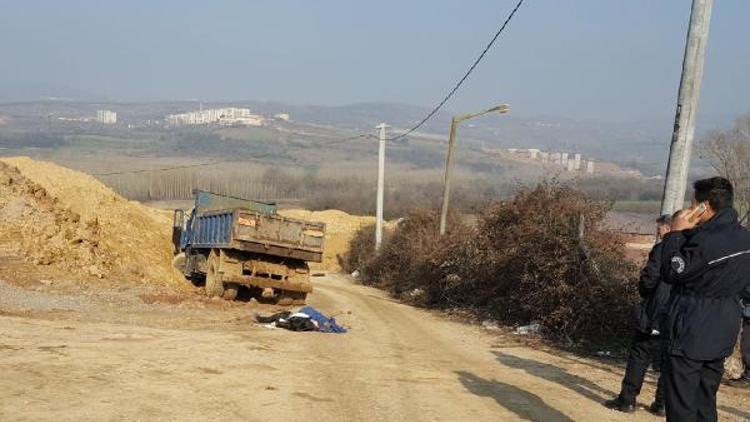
point(214, 276)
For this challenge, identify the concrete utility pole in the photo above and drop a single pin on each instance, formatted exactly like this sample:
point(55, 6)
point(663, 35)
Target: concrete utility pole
point(503, 108)
point(448, 175)
point(681, 147)
point(381, 184)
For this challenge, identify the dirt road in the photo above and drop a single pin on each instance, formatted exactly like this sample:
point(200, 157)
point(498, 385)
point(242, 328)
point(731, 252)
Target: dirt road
point(127, 354)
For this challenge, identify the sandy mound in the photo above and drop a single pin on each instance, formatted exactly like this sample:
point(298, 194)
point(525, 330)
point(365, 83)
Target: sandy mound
point(68, 220)
point(340, 228)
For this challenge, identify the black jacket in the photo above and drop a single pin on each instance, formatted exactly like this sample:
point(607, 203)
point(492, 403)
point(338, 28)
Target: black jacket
point(708, 267)
point(654, 294)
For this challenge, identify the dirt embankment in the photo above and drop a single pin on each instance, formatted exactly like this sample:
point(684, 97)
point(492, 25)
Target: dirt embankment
point(68, 221)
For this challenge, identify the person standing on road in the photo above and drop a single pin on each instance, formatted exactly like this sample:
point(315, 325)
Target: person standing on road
point(706, 258)
point(647, 346)
point(744, 379)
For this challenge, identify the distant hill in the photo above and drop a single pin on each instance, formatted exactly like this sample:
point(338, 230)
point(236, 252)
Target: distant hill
point(642, 145)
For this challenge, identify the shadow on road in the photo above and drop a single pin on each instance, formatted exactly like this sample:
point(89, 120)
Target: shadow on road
point(526, 405)
point(739, 414)
point(558, 375)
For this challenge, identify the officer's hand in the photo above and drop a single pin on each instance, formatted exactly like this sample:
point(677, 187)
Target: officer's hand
point(686, 219)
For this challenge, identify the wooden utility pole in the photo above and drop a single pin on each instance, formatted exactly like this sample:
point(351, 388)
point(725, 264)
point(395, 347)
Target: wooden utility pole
point(381, 183)
point(681, 147)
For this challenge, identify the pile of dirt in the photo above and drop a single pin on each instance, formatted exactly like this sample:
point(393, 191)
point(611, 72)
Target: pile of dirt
point(64, 219)
point(340, 229)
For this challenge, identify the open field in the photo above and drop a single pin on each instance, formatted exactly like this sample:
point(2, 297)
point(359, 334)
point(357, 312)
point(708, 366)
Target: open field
point(317, 144)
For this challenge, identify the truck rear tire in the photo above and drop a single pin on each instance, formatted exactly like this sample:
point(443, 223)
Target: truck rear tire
point(289, 298)
point(214, 276)
point(299, 298)
point(230, 291)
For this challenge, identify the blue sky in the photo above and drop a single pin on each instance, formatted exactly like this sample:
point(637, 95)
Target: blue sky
point(585, 59)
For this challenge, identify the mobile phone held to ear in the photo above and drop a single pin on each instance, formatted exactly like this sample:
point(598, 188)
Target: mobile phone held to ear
point(697, 212)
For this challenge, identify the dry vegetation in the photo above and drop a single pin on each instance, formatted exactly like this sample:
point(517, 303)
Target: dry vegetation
point(350, 189)
point(346, 191)
point(728, 152)
point(521, 262)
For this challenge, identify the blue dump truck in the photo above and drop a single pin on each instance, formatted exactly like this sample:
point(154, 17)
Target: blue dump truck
point(231, 242)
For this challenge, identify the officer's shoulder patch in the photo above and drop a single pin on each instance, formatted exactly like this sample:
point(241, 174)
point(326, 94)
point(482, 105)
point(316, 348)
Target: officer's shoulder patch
point(678, 264)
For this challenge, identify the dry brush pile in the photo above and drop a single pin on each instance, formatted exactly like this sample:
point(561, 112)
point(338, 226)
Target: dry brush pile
point(522, 261)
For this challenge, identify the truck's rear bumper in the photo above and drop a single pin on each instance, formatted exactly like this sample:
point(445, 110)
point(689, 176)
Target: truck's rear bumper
point(276, 250)
point(263, 282)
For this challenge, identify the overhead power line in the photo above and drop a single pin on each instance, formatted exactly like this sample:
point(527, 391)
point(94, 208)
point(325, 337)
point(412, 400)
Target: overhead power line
point(424, 120)
point(350, 138)
point(466, 75)
point(187, 166)
point(450, 94)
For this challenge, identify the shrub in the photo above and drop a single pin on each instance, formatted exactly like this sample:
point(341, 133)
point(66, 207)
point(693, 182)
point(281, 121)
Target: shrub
point(522, 261)
point(361, 249)
point(401, 264)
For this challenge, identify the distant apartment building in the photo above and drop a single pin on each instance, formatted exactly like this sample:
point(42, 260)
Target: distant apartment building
point(570, 162)
point(223, 116)
point(577, 162)
point(106, 116)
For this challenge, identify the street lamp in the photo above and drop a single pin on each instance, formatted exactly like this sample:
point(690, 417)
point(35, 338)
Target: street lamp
point(502, 109)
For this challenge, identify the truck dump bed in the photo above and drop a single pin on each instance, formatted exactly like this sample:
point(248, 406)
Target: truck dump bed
point(258, 232)
point(207, 201)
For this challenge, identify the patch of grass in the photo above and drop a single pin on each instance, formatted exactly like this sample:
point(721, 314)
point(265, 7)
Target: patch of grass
point(89, 143)
point(251, 134)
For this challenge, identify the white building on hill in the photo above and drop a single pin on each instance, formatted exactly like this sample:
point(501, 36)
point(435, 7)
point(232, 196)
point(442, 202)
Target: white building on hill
point(570, 162)
point(106, 116)
point(224, 116)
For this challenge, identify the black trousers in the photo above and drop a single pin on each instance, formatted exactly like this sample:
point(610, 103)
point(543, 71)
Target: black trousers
point(745, 344)
point(644, 350)
point(691, 387)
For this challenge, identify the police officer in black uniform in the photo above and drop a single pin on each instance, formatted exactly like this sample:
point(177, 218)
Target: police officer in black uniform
point(647, 346)
point(707, 261)
point(744, 379)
